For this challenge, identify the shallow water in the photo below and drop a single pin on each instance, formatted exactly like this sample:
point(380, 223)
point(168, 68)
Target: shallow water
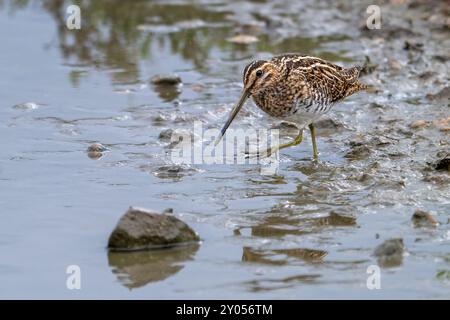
point(263, 236)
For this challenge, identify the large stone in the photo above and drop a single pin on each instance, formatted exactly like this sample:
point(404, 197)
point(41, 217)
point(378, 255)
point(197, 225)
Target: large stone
point(140, 229)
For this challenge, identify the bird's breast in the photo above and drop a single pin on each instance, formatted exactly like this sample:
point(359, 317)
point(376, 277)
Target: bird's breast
point(276, 102)
point(292, 105)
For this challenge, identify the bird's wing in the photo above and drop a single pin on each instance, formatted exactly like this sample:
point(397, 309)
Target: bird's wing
point(320, 78)
point(325, 79)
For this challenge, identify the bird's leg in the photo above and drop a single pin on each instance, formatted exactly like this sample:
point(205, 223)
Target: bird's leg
point(313, 138)
point(298, 139)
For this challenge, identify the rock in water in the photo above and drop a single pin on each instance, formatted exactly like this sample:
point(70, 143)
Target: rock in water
point(95, 151)
point(359, 152)
point(140, 229)
point(166, 79)
point(390, 253)
point(443, 164)
point(26, 106)
point(165, 135)
point(422, 218)
point(97, 147)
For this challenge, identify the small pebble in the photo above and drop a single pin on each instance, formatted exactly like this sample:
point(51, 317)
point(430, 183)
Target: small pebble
point(243, 39)
point(422, 218)
point(26, 106)
point(419, 124)
point(165, 135)
point(390, 247)
point(168, 211)
point(395, 64)
point(443, 164)
point(375, 105)
point(336, 219)
point(97, 147)
point(390, 253)
point(444, 94)
point(173, 171)
point(197, 87)
point(359, 152)
point(166, 79)
point(426, 75)
point(409, 45)
point(442, 124)
point(95, 151)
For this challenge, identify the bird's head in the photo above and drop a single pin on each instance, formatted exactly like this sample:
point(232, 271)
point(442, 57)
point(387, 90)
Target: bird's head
point(258, 76)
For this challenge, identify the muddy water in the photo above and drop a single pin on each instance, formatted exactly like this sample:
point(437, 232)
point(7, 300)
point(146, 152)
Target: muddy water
point(307, 232)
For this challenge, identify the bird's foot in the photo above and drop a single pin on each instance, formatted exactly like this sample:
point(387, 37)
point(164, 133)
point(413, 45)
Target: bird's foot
point(259, 155)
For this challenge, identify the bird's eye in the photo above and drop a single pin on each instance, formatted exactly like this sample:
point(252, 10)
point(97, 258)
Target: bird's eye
point(259, 73)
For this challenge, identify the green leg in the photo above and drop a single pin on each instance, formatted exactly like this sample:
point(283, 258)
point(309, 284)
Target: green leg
point(313, 138)
point(298, 139)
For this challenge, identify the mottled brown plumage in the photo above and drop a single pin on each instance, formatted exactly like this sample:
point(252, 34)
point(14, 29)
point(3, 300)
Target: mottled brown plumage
point(292, 83)
point(297, 88)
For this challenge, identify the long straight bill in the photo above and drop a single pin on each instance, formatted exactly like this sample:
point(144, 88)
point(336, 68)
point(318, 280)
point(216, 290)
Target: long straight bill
point(233, 114)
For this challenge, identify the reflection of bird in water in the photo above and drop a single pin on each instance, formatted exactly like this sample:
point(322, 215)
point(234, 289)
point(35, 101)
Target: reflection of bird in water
point(297, 89)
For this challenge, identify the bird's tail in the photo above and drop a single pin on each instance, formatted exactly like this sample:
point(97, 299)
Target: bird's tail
point(366, 87)
point(352, 77)
point(359, 86)
point(362, 86)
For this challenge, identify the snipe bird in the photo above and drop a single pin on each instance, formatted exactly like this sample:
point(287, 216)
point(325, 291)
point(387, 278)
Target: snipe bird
point(297, 89)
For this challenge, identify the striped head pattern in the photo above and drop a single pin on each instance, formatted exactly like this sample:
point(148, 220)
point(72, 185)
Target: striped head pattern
point(259, 75)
